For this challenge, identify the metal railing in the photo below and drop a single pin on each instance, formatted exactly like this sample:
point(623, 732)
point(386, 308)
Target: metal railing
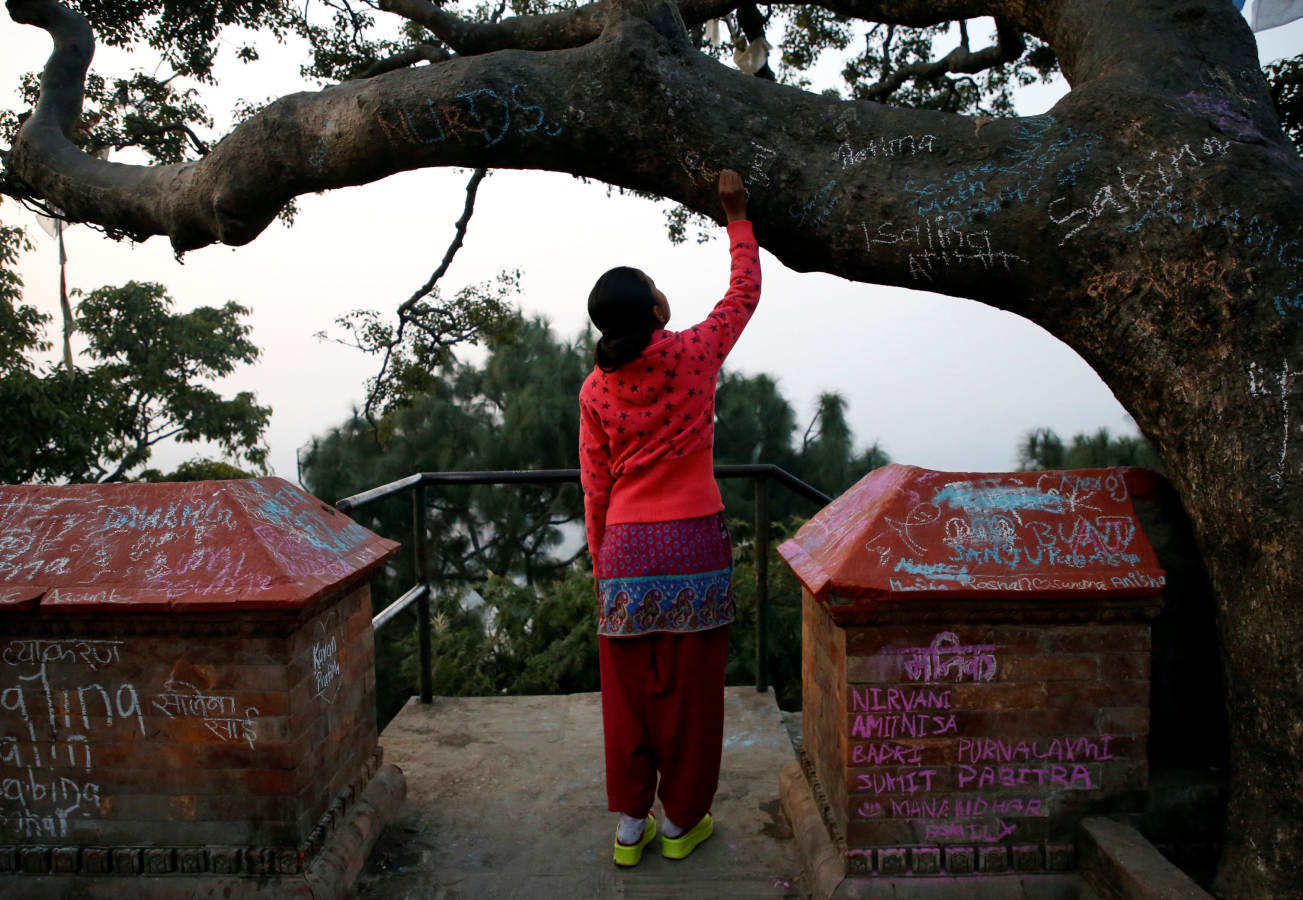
point(420, 592)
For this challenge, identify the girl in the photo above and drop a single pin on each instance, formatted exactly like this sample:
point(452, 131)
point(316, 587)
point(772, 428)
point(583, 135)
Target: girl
point(661, 552)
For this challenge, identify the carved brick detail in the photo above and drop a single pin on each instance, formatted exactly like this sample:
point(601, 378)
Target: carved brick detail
point(34, 860)
point(288, 862)
point(127, 860)
point(993, 859)
point(1026, 857)
point(96, 860)
point(925, 860)
point(225, 860)
point(859, 862)
point(65, 860)
point(1058, 857)
point(259, 862)
point(960, 860)
point(891, 862)
point(8, 859)
point(191, 860)
point(159, 860)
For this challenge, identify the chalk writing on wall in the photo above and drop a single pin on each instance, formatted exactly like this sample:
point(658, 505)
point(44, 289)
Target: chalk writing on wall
point(62, 699)
point(964, 787)
point(124, 545)
point(46, 750)
point(946, 656)
point(180, 699)
point(1003, 534)
point(325, 663)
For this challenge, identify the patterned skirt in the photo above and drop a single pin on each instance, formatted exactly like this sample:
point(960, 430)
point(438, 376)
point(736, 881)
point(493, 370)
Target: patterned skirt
point(664, 576)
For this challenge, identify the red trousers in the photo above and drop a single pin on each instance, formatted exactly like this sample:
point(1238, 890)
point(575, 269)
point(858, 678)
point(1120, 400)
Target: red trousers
point(663, 711)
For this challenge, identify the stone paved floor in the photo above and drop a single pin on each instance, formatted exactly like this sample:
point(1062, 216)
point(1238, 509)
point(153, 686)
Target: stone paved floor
point(505, 799)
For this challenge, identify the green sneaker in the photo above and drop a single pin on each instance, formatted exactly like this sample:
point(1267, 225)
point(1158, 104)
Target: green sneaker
point(631, 854)
point(681, 846)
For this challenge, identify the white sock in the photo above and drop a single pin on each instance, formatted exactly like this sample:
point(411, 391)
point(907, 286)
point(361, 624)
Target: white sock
point(670, 830)
point(630, 830)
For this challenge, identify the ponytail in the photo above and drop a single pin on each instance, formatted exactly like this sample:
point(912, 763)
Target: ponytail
point(621, 304)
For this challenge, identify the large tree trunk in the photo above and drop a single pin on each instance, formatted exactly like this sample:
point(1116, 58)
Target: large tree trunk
point(1150, 221)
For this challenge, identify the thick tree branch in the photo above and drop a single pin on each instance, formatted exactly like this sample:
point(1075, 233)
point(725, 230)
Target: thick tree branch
point(550, 31)
point(430, 53)
point(1008, 47)
point(144, 131)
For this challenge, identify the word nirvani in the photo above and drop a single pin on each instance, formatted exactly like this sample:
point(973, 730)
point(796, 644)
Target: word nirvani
point(903, 699)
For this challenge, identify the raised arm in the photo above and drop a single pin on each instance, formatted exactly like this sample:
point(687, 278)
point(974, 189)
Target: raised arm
point(719, 331)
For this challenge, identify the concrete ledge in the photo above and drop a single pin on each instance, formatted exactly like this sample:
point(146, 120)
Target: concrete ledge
point(1117, 861)
point(822, 864)
point(335, 870)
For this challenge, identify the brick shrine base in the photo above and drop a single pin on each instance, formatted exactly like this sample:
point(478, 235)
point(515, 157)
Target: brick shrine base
point(824, 863)
point(1115, 860)
point(331, 875)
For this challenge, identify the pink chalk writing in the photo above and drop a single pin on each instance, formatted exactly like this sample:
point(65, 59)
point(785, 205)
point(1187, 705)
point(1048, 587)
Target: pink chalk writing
point(978, 750)
point(903, 699)
point(1072, 777)
point(963, 807)
point(892, 725)
point(903, 783)
point(986, 832)
point(946, 656)
point(885, 755)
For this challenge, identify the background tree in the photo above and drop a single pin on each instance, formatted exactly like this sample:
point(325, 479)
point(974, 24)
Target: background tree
point(1149, 220)
point(515, 611)
point(144, 383)
point(1041, 449)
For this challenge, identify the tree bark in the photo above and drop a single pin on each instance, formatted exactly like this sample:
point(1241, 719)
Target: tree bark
point(1150, 221)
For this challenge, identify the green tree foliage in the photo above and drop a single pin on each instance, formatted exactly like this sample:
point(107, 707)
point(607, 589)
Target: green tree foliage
point(198, 469)
point(144, 382)
point(1041, 449)
point(1286, 79)
point(531, 626)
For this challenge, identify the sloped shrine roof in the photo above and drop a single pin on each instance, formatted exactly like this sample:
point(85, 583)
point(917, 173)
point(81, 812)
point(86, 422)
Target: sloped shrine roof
point(903, 533)
point(260, 543)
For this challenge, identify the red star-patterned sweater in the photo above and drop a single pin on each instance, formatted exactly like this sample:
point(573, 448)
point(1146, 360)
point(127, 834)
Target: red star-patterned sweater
point(647, 430)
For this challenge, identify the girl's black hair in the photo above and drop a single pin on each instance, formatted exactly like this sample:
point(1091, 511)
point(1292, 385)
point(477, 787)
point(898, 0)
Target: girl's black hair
point(621, 306)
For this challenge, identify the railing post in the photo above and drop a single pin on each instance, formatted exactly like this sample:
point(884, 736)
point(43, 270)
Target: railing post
point(423, 604)
point(762, 583)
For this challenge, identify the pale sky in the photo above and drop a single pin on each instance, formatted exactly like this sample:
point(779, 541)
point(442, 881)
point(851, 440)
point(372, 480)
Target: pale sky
point(941, 383)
